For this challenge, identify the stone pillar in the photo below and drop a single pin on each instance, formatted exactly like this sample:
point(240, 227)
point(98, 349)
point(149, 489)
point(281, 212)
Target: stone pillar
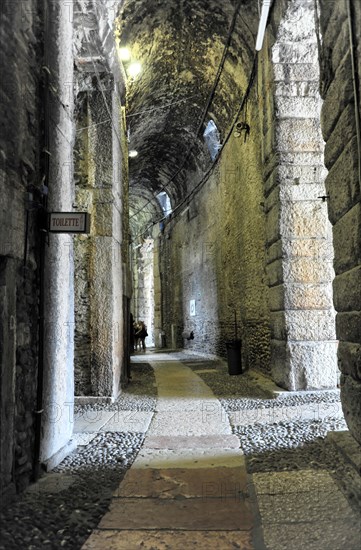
point(299, 235)
point(341, 108)
point(57, 423)
point(102, 247)
point(99, 255)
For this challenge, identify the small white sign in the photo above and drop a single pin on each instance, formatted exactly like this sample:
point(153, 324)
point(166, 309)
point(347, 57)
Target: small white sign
point(69, 222)
point(192, 307)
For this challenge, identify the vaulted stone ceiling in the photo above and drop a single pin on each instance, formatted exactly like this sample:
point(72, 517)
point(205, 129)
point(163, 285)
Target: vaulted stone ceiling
point(180, 45)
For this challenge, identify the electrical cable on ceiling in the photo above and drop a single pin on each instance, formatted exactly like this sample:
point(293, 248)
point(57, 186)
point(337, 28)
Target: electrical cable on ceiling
point(60, 130)
point(141, 112)
point(101, 89)
point(204, 179)
point(209, 101)
point(240, 109)
point(108, 109)
point(208, 104)
point(93, 125)
point(162, 106)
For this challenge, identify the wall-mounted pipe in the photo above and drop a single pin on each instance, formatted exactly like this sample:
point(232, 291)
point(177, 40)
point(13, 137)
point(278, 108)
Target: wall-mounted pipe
point(266, 5)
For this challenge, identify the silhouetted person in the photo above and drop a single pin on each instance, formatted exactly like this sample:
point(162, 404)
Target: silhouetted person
point(131, 333)
point(141, 334)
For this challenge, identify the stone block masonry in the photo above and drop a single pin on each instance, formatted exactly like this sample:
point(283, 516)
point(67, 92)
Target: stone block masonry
point(100, 189)
point(299, 256)
point(213, 254)
point(20, 171)
point(340, 81)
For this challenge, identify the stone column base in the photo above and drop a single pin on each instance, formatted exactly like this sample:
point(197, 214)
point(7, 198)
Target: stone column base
point(304, 365)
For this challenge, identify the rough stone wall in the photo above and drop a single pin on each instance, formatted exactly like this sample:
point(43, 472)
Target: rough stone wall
point(20, 119)
point(298, 239)
point(340, 110)
point(213, 253)
point(101, 255)
point(102, 280)
point(82, 351)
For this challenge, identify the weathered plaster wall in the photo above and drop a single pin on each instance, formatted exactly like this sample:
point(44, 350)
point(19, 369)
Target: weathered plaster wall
point(298, 239)
point(20, 118)
point(213, 253)
point(342, 159)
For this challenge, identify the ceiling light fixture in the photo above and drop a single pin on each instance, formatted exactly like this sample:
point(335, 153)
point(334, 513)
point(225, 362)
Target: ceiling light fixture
point(266, 5)
point(124, 54)
point(134, 69)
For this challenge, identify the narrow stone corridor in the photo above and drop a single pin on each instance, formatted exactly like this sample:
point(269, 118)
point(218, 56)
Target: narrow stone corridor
point(187, 487)
point(184, 176)
point(192, 457)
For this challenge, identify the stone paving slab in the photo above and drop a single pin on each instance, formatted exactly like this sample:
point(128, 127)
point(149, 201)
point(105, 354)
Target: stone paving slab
point(92, 421)
point(182, 391)
point(191, 442)
point(188, 458)
point(198, 514)
point(275, 483)
point(314, 411)
point(334, 535)
point(178, 423)
point(176, 384)
point(128, 421)
point(165, 361)
point(227, 483)
point(206, 371)
point(166, 540)
point(183, 404)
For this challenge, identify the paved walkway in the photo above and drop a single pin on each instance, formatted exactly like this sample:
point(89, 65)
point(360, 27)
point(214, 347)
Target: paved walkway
point(188, 487)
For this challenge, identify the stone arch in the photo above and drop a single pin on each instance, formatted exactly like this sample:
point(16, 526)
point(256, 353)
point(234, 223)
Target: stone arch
point(144, 209)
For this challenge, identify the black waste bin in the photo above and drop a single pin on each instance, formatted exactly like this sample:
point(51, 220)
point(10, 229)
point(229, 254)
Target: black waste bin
point(234, 357)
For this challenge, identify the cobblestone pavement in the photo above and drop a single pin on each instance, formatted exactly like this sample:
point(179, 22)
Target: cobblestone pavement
point(217, 461)
point(192, 485)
